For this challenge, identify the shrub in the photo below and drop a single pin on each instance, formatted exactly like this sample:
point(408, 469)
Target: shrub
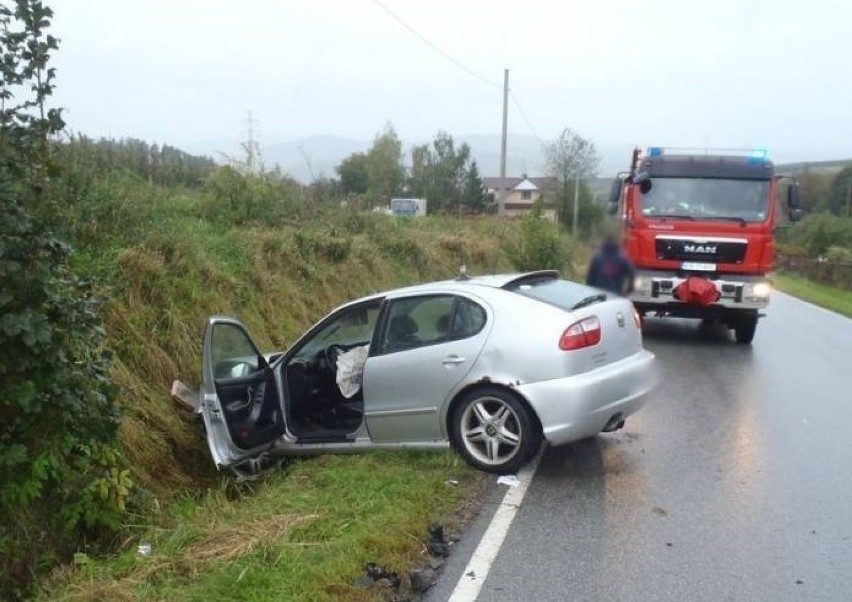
point(240, 198)
point(541, 247)
point(60, 474)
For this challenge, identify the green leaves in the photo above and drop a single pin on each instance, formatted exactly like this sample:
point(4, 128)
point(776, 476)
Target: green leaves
point(59, 472)
point(445, 175)
point(541, 247)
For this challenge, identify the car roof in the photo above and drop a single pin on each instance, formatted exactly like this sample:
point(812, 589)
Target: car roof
point(471, 283)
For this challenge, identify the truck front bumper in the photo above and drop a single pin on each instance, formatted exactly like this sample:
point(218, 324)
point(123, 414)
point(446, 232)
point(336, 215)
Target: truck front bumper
point(653, 291)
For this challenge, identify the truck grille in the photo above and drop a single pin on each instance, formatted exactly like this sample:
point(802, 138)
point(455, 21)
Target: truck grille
point(713, 251)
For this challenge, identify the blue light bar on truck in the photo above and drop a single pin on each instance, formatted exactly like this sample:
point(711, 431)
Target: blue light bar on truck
point(756, 155)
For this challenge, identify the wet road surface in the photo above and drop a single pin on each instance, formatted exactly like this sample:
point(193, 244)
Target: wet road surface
point(733, 483)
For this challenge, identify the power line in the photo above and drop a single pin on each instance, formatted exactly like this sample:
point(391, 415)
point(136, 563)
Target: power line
point(526, 119)
point(426, 41)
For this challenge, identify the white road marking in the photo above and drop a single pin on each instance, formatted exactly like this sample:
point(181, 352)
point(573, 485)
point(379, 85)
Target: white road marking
point(476, 571)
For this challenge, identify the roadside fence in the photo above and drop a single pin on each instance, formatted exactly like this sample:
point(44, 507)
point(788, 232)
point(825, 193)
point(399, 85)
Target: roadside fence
point(820, 270)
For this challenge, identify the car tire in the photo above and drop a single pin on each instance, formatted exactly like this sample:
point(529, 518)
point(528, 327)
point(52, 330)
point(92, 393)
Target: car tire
point(744, 329)
point(494, 431)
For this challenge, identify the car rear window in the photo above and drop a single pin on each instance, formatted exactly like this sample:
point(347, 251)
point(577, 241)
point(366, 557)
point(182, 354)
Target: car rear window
point(561, 293)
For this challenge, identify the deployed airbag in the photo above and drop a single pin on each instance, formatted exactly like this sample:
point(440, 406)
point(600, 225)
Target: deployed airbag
point(350, 370)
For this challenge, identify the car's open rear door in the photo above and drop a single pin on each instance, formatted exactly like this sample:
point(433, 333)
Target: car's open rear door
point(240, 400)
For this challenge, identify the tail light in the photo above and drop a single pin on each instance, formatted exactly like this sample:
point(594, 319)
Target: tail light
point(585, 333)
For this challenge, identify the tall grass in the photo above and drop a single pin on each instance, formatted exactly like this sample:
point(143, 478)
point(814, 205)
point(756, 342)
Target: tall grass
point(167, 261)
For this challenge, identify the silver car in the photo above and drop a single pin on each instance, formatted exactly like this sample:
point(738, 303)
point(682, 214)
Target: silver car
point(492, 365)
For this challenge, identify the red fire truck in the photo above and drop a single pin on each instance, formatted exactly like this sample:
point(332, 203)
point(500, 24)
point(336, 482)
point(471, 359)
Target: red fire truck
point(698, 226)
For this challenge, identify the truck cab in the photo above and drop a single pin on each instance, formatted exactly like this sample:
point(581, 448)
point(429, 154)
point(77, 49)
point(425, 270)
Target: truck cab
point(699, 229)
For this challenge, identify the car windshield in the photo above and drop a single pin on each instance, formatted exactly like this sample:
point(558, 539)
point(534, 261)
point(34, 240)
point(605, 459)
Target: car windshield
point(707, 199)
point(561, 293)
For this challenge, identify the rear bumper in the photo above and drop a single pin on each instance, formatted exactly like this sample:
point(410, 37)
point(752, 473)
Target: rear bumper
point(654, 289)
point(578, 407)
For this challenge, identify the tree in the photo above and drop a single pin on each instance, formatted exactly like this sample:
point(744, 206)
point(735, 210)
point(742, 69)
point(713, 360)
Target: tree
point(571, 158)
point(60, 472)
point(442, 175)
point(814, 188)
point(840, 194)
point(352, 172)
point(385, 172)
point(540, 247)
point(473, 193)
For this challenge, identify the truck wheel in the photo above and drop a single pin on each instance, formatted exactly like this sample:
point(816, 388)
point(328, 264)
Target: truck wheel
point(744, 329)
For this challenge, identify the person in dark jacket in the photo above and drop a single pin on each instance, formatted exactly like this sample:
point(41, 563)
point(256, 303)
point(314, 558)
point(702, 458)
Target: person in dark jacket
point(610, 269)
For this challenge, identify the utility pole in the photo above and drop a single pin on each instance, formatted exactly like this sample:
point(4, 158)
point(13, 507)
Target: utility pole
point(576, 203)
point(251, 146)
point(505, 122)
point(501, 207)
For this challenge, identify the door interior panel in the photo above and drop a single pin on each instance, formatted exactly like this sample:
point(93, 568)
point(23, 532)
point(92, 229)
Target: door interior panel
point(251, 407)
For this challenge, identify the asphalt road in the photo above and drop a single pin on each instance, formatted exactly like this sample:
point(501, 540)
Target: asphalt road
point(733, 483)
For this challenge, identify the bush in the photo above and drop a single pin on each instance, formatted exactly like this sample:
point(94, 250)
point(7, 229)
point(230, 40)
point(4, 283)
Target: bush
point(541, 247)
point(819, 231)
point(60, 474)
point(839, 254)
point(241, 198)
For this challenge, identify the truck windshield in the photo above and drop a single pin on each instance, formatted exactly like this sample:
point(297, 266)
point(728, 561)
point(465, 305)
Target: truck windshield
point(707, 199)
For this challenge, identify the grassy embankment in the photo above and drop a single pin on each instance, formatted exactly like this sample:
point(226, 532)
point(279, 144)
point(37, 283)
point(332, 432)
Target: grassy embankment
point(829, 297)
point(304, 532)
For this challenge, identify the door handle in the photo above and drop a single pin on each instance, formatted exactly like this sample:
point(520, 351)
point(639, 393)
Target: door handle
point(453, 359)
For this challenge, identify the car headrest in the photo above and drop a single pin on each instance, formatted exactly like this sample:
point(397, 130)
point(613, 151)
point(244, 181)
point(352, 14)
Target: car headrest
point(401, 326)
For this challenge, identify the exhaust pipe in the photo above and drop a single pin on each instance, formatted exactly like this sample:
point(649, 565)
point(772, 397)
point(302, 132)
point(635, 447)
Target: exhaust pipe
point(614, 423)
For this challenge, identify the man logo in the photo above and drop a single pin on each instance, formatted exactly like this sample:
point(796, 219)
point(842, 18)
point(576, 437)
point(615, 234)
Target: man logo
point(705, 249)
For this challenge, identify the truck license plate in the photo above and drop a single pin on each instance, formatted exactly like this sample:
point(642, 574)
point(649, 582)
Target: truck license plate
point(699, 267)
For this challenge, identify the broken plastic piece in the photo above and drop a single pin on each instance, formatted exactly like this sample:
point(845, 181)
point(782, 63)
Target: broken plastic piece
point(144, 549)
point(422, 578)
point(508, 479)
point(377, 573)
point(437, 544)
point(184, 397)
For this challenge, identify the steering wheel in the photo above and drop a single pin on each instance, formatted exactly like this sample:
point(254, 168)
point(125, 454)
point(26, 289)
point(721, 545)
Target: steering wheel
point(331, 353)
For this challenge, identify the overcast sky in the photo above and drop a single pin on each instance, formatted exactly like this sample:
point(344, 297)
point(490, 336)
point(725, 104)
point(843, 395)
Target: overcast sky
point(772, 73)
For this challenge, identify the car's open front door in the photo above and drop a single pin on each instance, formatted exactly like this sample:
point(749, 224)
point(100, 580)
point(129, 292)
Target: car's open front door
point(240, 400)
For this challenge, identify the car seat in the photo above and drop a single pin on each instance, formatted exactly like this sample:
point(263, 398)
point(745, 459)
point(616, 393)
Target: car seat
point(402, 333)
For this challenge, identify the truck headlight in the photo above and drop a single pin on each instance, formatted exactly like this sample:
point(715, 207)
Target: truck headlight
point(642, 285)
point(761, 289)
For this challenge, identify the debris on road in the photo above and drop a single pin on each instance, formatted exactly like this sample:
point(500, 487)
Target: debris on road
point(508, 479)
point(184, 397)
point(422, 578)
point(379, 573)
point(659, 511)
point(437, 544)
point(436, 563)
